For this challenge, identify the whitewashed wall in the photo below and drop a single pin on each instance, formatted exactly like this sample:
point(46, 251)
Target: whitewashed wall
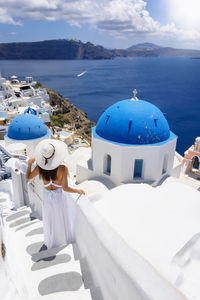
point(31, 144)
point(123, 157)
point(35, 202)
point(118, 271)
point(35, 192)
point(83, 173)
point(37, 100)
point(6, 186)
point(18, 195)
point(27, 193)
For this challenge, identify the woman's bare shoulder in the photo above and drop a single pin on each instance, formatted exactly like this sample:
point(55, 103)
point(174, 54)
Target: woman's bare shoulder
point(62, 169)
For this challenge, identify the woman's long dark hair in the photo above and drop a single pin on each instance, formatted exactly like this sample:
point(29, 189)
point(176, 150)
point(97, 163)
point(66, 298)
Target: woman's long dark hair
point(48, 175)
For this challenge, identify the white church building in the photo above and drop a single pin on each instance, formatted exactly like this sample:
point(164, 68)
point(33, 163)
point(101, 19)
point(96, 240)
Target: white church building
point(131, 143)
point(28, 130)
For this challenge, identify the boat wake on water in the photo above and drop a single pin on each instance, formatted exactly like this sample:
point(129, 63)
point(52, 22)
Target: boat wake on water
point(81, 74)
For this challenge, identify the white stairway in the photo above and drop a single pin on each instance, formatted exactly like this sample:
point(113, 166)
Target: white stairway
point(38, 273)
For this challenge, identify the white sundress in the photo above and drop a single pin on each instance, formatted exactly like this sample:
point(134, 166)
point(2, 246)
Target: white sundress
point(59, 213)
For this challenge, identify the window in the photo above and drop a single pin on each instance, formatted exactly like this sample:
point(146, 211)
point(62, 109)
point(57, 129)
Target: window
point(107, 166)
point(195, 162)
point(138, 168)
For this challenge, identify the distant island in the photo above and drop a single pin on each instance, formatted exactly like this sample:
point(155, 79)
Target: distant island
point(75, 49)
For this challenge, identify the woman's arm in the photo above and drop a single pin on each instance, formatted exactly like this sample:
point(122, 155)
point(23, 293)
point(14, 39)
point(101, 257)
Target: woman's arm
point(35, 172)
point(65, 185)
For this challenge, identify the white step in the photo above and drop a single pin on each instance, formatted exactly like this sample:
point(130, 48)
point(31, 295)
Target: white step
point(49, 274)
point(53, 271)
point(47, 271)
point(20, 219)
point(53, 278)
point(15, 215)
point(78, 295)
point(28, 231)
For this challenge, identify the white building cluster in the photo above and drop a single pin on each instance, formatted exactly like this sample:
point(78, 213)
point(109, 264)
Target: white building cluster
point(16, 96)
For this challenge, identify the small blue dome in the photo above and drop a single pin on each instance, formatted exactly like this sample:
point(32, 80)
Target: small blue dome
point(133, 122)
point(31, 111)
point(27, 127)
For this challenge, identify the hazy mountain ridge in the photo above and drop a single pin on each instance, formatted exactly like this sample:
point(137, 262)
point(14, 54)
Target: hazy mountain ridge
point(75, 49)
point(153, 50)
point(146, 46)
point(53, 49)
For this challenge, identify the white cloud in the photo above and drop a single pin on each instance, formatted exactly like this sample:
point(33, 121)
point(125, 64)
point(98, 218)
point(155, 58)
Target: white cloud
point(170, 30)
point(121, 18)
point(6, 18)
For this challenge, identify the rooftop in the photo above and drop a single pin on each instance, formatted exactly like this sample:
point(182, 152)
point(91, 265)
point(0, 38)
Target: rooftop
point(133, 122)
point(27, 127)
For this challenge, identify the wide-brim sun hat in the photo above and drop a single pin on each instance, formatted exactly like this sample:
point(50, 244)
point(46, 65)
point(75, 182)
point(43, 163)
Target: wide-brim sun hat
point(50, 153)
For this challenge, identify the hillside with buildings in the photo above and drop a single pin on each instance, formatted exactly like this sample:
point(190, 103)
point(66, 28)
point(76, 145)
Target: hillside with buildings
point(69, 116)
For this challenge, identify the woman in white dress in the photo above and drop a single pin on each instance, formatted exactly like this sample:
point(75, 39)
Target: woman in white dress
point(58, 207)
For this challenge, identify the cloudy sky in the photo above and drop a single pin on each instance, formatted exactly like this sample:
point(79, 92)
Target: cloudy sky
point(111, 23)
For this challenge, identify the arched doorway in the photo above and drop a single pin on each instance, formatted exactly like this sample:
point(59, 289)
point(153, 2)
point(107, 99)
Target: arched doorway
point(107, 164)
point(195, 162)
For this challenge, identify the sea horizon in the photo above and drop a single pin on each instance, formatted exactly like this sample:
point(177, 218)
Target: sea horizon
point(170, 83)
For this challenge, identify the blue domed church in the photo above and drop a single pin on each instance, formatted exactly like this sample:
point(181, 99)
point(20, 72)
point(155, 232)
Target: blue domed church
point(132, 142)
point(27, 128)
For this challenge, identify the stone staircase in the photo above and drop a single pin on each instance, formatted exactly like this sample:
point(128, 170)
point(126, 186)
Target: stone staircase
point(36, 271)
point(5, 153)
point(4, 156)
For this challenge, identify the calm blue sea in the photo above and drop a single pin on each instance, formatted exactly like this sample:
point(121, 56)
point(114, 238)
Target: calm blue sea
point(172, 84)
